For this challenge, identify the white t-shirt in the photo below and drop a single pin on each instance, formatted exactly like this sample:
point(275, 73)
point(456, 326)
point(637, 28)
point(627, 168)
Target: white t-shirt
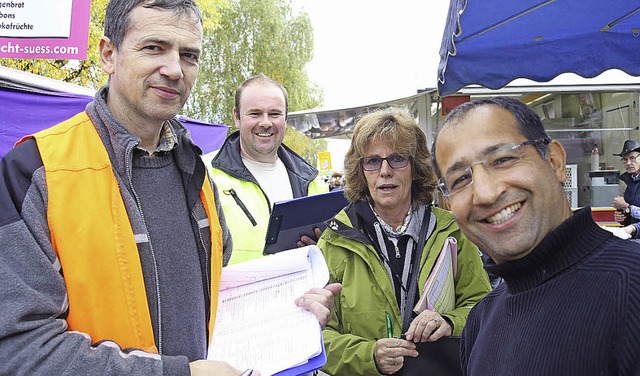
point(272, 177)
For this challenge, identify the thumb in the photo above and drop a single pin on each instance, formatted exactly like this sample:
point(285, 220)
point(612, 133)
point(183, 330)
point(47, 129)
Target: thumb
point(335, 288)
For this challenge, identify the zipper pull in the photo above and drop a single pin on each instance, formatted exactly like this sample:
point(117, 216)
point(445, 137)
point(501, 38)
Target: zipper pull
point(233, 194)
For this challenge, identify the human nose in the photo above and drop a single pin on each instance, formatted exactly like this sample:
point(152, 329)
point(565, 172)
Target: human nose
point(172, 67)
point(385, 167)
point(264, 120)
point(486, 187)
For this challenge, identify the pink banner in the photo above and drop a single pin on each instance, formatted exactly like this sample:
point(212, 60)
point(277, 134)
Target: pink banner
point(44, 29)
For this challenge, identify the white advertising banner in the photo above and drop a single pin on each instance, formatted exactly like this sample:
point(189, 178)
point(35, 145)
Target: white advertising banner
point(36, 18)
point(51, 29)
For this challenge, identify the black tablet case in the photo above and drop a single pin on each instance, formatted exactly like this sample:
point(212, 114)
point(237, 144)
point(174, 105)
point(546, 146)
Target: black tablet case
point(439, 358)
point(293, 218)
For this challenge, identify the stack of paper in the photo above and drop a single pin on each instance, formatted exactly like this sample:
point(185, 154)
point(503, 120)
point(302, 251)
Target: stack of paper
point(258, 324)
point(439, 293)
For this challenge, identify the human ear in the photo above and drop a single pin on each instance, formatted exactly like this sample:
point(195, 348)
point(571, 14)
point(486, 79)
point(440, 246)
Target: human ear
point(107, 55)
point(557, 158)
point(236, 118)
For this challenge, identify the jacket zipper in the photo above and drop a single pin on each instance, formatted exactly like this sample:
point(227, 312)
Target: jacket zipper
point(153, 255)
point(206, 255)
point(238, 201)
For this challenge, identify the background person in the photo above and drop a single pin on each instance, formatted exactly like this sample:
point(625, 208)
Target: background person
point(254, 169)
point(571, 292)
point(628, 213)
point(370, 248)
point(335, 182)
point(111, 235)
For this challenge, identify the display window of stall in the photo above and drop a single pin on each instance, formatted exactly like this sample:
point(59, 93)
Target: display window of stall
point(591, 127)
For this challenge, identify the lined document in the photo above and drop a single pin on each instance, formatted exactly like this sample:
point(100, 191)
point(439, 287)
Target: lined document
point(258, 325)
point(439, 290)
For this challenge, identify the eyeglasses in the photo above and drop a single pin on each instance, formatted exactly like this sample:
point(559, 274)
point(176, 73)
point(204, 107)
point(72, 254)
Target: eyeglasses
point(395, 161)
point(632, 159)
point(499, 159)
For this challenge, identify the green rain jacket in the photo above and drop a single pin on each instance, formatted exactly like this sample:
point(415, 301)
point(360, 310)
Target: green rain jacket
point(359, 313)
point(246, 207)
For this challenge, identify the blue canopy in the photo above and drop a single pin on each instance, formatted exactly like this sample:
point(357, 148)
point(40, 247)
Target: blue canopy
point(492, 42)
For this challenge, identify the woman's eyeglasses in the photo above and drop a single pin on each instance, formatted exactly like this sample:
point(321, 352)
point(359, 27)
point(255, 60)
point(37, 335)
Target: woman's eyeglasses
point(395, 161)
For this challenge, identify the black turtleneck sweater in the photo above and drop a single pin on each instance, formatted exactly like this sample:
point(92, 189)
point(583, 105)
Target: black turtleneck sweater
point(570, 307)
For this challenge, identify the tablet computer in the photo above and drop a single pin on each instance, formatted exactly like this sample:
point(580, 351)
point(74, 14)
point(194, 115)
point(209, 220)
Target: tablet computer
point(293, 218)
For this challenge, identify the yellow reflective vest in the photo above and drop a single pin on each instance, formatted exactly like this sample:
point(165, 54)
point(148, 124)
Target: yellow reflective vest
point(94, 240)
point(248, 238)
point(246, 208)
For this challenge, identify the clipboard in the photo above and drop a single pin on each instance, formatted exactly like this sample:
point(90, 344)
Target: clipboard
point(313, 364)
point(293, 218)
point(273, 283)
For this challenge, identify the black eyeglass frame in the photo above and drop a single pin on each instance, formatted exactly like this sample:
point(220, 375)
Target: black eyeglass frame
point(406, 157)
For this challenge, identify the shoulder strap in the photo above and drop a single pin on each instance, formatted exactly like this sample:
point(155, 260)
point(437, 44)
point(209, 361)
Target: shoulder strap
point(413, 283)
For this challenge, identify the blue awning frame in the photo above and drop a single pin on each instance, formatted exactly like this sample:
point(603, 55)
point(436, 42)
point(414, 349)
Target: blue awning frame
point(492, 42)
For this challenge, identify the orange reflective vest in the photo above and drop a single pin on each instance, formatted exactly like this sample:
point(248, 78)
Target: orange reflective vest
point(92, 235)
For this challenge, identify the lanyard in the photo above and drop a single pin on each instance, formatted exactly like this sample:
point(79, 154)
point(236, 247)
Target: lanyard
point(415, 267)
point(410, 269)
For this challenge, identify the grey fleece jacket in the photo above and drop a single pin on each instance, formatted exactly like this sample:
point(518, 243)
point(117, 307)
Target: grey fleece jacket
point(34, 339)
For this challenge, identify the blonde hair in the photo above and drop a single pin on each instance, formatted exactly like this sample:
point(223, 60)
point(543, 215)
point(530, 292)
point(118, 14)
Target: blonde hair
point(398, 128)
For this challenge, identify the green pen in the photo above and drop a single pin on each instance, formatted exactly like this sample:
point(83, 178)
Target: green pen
point(389, 325)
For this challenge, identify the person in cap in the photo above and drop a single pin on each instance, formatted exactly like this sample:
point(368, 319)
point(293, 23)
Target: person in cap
point(628, 205)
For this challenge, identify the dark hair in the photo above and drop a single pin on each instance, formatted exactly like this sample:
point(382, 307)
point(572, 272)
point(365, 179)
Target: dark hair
point(260, 79)
point(396, 126)
point(117, 17)
point(528, 122)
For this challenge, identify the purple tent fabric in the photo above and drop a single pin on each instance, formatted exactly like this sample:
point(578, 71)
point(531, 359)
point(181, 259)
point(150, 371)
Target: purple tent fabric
point(207, 136)
point(26, 112)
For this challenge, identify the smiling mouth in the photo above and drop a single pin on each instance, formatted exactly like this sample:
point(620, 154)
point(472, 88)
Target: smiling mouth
point(504, 214)
point(166, 89)
point(264, 134)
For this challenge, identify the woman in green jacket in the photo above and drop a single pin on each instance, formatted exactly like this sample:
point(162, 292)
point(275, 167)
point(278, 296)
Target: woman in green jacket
point(371, 247)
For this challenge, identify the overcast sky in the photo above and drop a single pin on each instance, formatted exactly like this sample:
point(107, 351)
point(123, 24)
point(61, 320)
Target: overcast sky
point(370, 51)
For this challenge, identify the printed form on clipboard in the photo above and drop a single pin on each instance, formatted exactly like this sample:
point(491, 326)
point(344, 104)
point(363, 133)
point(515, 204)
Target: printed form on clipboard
point(258, 325)
point(439, 293)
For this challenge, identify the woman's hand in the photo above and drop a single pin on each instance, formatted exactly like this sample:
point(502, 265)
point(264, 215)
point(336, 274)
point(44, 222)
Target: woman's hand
point(429, 326)
point(389, 354)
